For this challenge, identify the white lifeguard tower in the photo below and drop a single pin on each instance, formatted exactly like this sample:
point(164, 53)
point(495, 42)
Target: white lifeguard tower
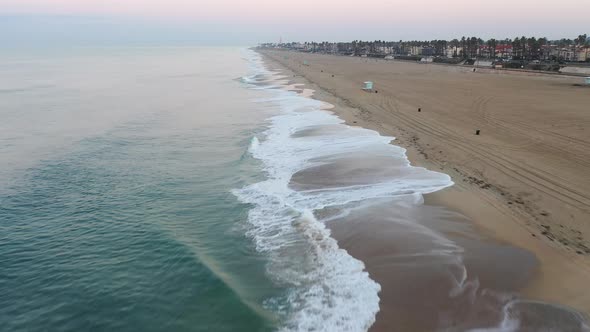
point(368, 86)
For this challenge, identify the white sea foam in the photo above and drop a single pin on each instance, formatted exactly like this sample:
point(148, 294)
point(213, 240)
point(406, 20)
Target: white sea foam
point(329, 289)
point(254, 144)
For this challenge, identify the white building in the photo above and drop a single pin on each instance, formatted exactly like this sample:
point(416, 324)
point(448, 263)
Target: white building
point(450, 52)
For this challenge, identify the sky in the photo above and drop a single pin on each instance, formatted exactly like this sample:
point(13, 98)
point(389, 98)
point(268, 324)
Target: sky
point(248, 22)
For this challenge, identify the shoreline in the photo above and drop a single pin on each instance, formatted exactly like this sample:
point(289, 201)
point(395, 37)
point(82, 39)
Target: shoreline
point(561, 274)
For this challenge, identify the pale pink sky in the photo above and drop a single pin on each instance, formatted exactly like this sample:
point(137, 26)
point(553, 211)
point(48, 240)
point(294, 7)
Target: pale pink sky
point(341, 19)
point(416, 11)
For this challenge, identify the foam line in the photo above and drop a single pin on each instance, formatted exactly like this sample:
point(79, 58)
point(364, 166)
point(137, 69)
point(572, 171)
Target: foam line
point(329, 289)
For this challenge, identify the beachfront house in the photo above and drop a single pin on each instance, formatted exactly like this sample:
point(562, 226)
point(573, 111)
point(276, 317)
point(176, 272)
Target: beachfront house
point(504, 51)
point(566, 53)
point(428, 51)
point(583, 53)
point(416, 50)
point(452, 52)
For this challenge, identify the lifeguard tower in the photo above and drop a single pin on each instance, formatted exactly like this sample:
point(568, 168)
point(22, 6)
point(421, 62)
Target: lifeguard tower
point(368, 86)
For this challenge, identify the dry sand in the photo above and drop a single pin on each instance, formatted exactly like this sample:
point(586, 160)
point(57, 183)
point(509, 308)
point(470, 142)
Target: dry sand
point(525, 180)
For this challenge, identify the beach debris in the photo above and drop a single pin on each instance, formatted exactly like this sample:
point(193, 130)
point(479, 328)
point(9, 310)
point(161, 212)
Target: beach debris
point(419, 109)
point(332, 75)
point(368, 86)
point(477, 132)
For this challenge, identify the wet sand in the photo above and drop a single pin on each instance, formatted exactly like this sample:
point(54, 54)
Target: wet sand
point(419, 289)
point(437, 272)
point(524, 229)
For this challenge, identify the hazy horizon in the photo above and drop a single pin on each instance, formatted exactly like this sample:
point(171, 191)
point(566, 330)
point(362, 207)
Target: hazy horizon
point(231, 22)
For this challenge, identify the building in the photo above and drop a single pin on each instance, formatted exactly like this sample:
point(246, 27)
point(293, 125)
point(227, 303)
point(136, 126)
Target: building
point(504, 51)
point(428, 51)
point(485, 51)
point(415, 50)
point(583, 54)
point(452, 52)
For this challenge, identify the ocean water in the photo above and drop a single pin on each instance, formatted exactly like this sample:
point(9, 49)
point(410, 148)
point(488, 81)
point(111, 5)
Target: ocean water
point(116, 211)
point(191, 189)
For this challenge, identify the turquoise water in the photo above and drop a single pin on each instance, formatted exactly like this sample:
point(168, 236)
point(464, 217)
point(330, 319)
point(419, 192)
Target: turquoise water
point(116, 211)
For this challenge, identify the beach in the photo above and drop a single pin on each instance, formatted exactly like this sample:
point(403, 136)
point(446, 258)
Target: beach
point(521, 186)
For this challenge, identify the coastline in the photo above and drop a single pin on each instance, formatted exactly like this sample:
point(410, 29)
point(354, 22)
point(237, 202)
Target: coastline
point(562, 271)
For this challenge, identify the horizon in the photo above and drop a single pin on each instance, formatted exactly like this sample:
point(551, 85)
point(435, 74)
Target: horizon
point(232, 22)
point(72, 30)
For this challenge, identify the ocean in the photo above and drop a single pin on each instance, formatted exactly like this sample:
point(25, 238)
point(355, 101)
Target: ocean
point(191, 189)
point(116, 211)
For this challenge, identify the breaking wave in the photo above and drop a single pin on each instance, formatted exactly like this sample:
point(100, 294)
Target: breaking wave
point(329, 290)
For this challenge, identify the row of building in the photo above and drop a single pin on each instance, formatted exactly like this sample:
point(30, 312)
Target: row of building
point(546, 52)
point(553, 52)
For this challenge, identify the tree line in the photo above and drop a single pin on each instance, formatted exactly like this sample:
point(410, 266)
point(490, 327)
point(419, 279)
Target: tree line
point(524, 48)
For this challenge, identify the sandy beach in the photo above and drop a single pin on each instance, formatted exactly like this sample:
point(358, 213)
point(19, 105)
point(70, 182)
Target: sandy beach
point(523, 182)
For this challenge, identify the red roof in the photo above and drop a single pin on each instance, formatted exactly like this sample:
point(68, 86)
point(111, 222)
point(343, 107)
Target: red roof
point(503, 47)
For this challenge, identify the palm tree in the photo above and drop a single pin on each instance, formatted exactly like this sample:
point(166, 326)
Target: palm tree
point(492, 43)
point(582, 40)
point(454, 44)
point(463, 46)
point(523, 44)
point(542, 46)
point(533, 48)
